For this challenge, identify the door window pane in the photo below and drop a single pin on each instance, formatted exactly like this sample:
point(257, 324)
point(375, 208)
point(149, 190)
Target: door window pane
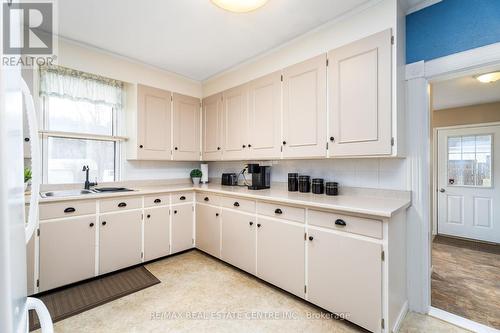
point(66, 158)
point(469, 160)
point(68, 115)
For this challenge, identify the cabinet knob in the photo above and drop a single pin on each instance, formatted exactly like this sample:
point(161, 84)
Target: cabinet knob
point(236, 204)
point(284, 142)
point(157, 201)
point(259, 225)
point(332, 139)
point(216, 214)
point(249, 146)
point(218, 148)
point(27, 139)
point(251, 223)
point(206, 199)
point(91, 225)
point(122, 204)
point(244, 146)
point(176, 148)
point(340, 222)
point(141, 146)
point(103, 222)
point(148, 216)
point(182, 198)
point(311, 238)
point(278, 211)
point(175, 212)
point(70, 210)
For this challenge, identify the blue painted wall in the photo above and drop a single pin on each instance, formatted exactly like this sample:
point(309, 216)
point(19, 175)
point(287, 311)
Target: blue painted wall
point(451, 26)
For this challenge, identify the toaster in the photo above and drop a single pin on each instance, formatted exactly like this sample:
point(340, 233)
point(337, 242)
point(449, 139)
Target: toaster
point(229, 179)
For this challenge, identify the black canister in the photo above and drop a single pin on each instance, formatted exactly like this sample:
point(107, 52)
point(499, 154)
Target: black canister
point(318, 186)
point(293, 182)
point(332, 188)
point(304, 184)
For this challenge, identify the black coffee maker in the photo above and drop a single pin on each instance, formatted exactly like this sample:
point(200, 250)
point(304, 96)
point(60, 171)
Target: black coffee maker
point(261, 176)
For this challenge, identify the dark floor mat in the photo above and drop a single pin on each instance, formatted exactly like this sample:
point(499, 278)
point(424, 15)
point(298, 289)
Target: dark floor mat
point(74, 299)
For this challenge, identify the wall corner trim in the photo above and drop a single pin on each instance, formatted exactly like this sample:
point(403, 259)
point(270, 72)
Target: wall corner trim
point(415, 70)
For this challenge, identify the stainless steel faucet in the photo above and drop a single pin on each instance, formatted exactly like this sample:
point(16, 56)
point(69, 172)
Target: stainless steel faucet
point(88, 184)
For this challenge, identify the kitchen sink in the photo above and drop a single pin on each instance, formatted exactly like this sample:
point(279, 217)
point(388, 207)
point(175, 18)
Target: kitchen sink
point(66, 193)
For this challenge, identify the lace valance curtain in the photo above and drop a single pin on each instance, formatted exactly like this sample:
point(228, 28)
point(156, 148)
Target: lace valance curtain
point(80, 86)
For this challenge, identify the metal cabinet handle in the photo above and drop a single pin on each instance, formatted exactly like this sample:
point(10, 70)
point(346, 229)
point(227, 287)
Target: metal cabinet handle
point(103, 222)
point(244, 146)
point(236, 204)
point(311, 238)
point(251, 223)
point(157, 201)
point(259, 225)
point(182, 198)
point(340, 222)
point(176, 148)
point(278, 211)
point(218, 148)
point(284, 142)
point(122, 204)
point(175, 212)
point(216, 214)
point(332, 139)
point(91, 225)
point(206, 199)
point(141, 146)
point(148, 216)
point(442, 190)
point(249, 146)
point(27, 139)
point(70, 210)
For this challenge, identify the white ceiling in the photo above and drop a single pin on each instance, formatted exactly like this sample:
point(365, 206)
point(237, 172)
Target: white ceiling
point(193, 38)
point(463, 91)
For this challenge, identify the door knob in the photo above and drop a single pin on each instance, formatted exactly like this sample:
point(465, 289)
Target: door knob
point(442, 190)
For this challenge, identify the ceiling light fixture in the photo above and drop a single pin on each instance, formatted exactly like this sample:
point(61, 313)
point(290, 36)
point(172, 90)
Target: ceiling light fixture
point(239, 6)
point(488, 77)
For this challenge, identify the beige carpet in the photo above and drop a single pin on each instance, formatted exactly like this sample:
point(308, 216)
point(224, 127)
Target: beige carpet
point(202, 294)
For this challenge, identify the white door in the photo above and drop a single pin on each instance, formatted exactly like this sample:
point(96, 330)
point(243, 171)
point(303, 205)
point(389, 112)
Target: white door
point(235, 123)
point(186, 128)
point(468, 183)
point(239, 239)
point(182, 227)
point(212, 128)
point(156, 233)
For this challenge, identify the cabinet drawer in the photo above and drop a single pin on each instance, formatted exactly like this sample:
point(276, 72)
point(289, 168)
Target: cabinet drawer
point(156, 200)
point(208, 198)
point(355, 225)
point(124, 203)
point(66, 209)
point(238, 203)
point(282, 211)
point(182, 197)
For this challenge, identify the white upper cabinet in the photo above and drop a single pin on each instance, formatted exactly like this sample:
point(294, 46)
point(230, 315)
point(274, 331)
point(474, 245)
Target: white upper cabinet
point(212, 128)
point(186, 128)
point(304, 109)
point(360, 97)
point(264, 122)
point(235, 102)
point(154, 117)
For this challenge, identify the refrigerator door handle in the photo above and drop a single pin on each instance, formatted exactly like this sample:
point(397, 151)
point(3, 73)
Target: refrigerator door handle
point(35, 161)
point(42, 313)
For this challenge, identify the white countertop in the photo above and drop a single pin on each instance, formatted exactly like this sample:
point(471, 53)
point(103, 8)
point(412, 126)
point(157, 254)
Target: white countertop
point(372, 202)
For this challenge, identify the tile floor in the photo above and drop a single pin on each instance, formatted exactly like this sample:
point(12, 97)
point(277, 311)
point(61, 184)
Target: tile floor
point(196, 284)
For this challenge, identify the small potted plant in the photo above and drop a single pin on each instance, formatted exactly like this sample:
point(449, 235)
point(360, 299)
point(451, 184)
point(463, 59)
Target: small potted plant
point(196, 176)
point(27, 178)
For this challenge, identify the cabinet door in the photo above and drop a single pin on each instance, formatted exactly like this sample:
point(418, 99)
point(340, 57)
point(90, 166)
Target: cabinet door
point(154, 123)
point(264, 102)
point(304, 109)
point(360, 97)
point(186, 128)
point(120, 240)
point(156, 233)
point(235, 123)
point(345, 276)
point(67, 251)
point(208, 229)
point(182, 227)
point(212, 128)
point(239, 240)
point(280, 254)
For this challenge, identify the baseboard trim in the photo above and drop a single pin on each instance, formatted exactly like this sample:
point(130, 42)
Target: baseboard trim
point(401, 317)
point(460, 321)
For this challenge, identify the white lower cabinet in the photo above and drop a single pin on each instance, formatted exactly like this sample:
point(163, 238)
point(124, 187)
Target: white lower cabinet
point(239, 240)
point(182, 227)
point(208, 229)
point(345, 277)
point(120, 239)
point(281, 254)
point(67, 251)
point(156, 233)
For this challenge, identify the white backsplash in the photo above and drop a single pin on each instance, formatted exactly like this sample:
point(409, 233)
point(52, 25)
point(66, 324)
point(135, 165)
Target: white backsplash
point(381, 173)
point(144, 170)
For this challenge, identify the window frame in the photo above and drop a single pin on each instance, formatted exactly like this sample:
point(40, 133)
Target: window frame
point(45, 134)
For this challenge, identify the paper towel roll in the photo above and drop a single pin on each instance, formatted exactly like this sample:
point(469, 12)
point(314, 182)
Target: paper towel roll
point(204, 173)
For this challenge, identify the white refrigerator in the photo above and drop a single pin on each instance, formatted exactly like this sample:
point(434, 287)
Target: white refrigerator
point(14, 232)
